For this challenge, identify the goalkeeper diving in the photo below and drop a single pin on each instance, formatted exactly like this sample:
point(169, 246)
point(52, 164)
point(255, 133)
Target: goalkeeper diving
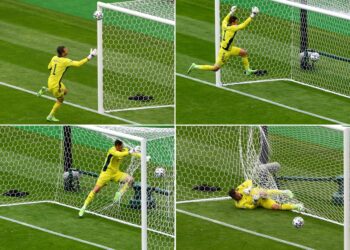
point(58, 67)
point(111, 172)
point(229, 28)
point(246, 196)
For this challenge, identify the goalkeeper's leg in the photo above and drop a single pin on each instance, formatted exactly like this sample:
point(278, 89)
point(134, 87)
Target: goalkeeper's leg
point(203, 67)
point(244, 55)
point(222, 58)
point(89, 199)
point(59, 94)
point(272, 204)
point(128, 182)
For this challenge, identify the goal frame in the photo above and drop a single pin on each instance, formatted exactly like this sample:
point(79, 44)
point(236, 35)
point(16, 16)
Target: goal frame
point(100, 7)
point(300, 6)
point(144, 209)
point(346, 171)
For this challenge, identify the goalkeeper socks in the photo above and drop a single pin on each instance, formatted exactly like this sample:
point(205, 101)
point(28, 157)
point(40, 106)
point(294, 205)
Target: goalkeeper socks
point(56, 106)
point(205, 67)
point(124, 188)
point(245, 62)
point(89, 199)
point(288, 206)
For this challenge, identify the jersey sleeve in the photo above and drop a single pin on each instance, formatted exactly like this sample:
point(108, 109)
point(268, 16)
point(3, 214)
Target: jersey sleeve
point(119, 154)
point(242, 25)
point(244, 185)
point(225, 21)
point(71, 63)
point(138, 155)
point(50, 65)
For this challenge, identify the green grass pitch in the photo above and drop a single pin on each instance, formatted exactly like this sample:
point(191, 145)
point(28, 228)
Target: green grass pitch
point(216, 168)
point(196, 102)
point(37, 168)
point(43, 26)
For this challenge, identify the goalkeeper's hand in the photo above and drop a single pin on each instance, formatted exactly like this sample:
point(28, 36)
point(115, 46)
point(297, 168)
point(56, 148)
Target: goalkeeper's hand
point(136, 149)
point(93, 53)
point(247, 190)
point(233, 10)
point(255, 11)
point(256, 198)
point(148, 158)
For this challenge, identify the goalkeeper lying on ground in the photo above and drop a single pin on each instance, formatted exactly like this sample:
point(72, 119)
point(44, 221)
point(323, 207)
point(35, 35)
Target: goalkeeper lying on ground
point(58, 66)
point(111, 172)
point(248, 197)
point(229, 29)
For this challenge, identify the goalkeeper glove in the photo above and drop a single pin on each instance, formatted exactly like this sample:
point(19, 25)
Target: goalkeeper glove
point(233, 10)
point(255, 11)
point(256, 198)
point(93, 53)
point(148, 158)
point(247, 190)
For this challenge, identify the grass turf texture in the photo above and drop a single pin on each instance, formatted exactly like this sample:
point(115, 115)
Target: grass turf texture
point(195, 43)
point(41, 31)
point(192, 232)
point(63, 220)
point(39, 169)
point(220, 166)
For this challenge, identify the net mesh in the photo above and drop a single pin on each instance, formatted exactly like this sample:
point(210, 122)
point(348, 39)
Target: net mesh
point(307, 160)
point(138, 56)
point(34, 160)
point(273, 41)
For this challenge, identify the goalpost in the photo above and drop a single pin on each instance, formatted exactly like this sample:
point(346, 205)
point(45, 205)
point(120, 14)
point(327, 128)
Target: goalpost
point(60, 165)
point(281, 38)
point(311, 161)
point(135, 55)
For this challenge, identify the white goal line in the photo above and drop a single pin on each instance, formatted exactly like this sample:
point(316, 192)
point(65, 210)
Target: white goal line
point(68, 103)
point(244, 230)
point(88, 212)
point(55, 233)
point(263, 99)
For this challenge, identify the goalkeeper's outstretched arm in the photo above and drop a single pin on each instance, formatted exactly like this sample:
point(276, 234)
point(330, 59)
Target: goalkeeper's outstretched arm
point(93, 53)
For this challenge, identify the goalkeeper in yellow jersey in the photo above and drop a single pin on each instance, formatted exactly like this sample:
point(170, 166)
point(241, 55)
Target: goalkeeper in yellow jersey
point(229, 29)
point(58, 67)
point(246, 196)
point(111, 172)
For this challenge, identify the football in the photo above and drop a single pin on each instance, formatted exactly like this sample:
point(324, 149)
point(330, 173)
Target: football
point(314, 56)
point(98, 15)
point(298, 222)
point(159, 172)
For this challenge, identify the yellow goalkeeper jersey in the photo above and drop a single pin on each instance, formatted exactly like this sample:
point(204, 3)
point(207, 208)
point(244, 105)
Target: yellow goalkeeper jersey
point(247, 200)
point(228, 32)
point(58, 66)
point(114, 159)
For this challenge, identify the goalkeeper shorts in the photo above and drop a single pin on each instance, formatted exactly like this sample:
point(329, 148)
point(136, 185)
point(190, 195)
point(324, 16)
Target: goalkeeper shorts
point(224, 55)
point(106, 177)
point(266, 203)
point(58, 91)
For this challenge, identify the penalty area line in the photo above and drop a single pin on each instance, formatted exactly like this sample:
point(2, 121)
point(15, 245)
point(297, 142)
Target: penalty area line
point(68, 103)
point(55, 233)
point(244, 230)
point(263, 100)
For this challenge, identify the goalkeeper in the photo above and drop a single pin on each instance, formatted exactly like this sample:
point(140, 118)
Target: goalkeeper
point(58, 66)
point(111, 172)
point(229, 29)
point(248, 197)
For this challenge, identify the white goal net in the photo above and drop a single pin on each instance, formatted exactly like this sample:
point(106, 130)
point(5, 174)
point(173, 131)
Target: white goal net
point(136, 55)
point(308, 160)
point(281, 39)
point(61, 165)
